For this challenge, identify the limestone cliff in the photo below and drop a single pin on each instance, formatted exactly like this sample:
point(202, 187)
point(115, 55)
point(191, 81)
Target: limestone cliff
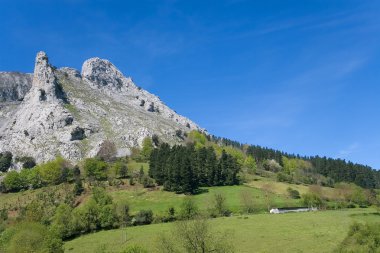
point(70, 114)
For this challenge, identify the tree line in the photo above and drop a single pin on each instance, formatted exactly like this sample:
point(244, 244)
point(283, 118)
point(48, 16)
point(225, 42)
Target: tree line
point(338, 170)
point(184, 169)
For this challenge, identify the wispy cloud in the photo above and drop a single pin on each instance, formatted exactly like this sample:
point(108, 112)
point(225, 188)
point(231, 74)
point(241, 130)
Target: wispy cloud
point(349, 150)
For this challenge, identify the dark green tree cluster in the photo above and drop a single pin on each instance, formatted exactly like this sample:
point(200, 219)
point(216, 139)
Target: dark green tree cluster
point(337, 169)
point(184, 169)
point(5, 161)
point(342, 171)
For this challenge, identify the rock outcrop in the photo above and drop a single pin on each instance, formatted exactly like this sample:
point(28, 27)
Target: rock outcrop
point(70, 114)
point(14, 86)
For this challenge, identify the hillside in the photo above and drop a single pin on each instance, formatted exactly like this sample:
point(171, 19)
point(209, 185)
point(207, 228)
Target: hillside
point(68, 113)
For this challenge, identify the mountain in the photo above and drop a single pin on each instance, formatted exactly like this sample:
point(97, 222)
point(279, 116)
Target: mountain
point(70, 113)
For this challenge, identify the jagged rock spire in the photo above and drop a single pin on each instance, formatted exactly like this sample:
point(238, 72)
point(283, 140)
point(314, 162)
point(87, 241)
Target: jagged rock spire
point(44, 80)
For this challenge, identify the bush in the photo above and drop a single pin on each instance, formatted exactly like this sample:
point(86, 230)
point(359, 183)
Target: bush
point(95, 169)
point(144, 217)
point(54, 172)
point(27, 162)
point(220, 208)
point(134, 249)
point(30, 237)
point(293, 193)
point(5, 161)
point(189, 209)
point(147, 182)
point(361, 238)
point(13, 182)
point(120, 169)
point(283, 177)
point(311, 200)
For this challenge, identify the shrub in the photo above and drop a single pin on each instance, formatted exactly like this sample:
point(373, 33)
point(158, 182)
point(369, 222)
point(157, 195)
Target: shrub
point(30, 237)
point(189, 209)
point(220, 208)
point(283, 177)
point(54, 172)
point(143, 217)
point(13, 181)
point(293, 193)
point(5, 161)
point(27, 162)
point(147, 182)
point(311, 200)
point(120, 169)
point(95, 169)
point(361, 238)
point(247, 201)
point(134, 249)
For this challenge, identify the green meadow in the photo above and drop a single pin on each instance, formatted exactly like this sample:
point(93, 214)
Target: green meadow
point(319, 231)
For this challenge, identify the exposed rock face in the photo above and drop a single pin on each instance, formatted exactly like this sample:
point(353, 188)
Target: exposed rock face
point(14, 86)
point(70, 114)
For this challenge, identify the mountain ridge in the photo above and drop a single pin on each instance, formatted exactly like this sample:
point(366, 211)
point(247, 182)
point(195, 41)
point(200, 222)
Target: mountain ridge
point(70, 113)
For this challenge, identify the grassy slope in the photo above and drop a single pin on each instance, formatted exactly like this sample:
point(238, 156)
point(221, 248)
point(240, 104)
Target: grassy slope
point(298, 232)
point(281, 187)
point(159, 201)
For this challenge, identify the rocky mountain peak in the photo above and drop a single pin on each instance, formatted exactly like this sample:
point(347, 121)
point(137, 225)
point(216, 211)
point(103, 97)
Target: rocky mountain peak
point(45, 87)
point(70, 114)
point(101, 73)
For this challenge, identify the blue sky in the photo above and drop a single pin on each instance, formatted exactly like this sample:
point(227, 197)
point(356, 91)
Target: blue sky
point(299, 76)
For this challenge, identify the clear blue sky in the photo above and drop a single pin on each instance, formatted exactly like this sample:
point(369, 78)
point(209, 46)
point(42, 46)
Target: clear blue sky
point(299, 76)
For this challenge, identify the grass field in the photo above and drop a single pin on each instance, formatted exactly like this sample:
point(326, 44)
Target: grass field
point(298, 232)
point(159, 201)
point(281, 187)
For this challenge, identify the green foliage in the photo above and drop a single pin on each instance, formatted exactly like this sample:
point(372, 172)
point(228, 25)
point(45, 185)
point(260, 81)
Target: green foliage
point(120, 169)
point(98, 213)
point(220, 207)
point(143, 217)
point(147, 147)
point(293, 193)
point(78, 187)
point(62, 223)
point(284, 177)
point(189, 209)
point(247, 201)
point(54, 172)
point(361, 238)
point(95, 169)
point(195, 236)
point(184, 169)
point(198, 138)
point(250, 164)
point(291, 165)
point(5, 161)
point(30, 237)
point(271, 165)
point(27, 178)
point(13, 181)
point(122, 211)
point(311, 200)
point(134, 249)
point(353, 193)
point(27, 162)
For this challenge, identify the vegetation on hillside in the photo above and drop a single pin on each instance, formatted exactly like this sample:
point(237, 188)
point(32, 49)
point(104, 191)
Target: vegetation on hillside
point(205, 178)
